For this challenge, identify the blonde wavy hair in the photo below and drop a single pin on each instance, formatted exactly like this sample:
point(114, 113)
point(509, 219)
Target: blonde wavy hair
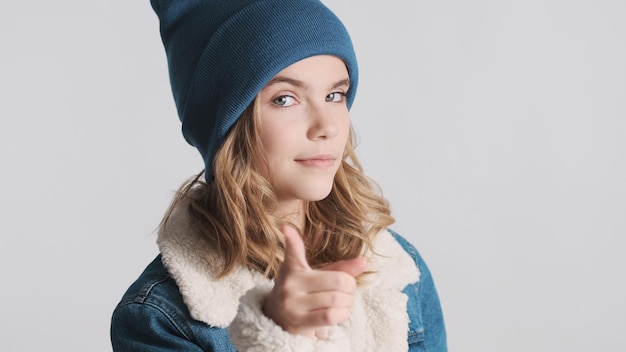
point(234, 211)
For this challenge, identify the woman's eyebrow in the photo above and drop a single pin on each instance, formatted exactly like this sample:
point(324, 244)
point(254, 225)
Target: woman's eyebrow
point(283, 79)
point(342, 83)
point(299, 84)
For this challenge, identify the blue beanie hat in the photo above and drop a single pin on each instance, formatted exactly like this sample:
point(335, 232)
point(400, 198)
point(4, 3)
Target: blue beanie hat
point(221, 53)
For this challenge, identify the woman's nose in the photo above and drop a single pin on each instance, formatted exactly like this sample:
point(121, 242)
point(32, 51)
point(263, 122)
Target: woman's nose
point(324, 124)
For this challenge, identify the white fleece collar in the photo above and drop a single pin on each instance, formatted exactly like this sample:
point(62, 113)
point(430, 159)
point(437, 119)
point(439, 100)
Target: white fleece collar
point(194, 265)
point(379, 320)
point(379, 317)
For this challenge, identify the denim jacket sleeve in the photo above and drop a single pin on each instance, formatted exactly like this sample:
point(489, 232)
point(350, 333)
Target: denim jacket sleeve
point(152, 317)
point(146, 327)
point(426, 329)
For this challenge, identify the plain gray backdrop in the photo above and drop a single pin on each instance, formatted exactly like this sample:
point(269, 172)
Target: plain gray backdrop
point(497, 130)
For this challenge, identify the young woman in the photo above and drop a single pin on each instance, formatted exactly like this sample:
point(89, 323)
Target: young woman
point(281, 243)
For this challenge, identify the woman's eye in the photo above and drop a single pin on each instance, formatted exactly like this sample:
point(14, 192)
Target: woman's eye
point(284, 101)
point(336, 97)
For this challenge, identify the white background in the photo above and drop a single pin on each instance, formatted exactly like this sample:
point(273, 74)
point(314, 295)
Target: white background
point(497, 129)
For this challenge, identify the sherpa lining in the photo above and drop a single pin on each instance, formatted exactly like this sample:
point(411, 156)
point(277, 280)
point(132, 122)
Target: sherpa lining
point(378, 321)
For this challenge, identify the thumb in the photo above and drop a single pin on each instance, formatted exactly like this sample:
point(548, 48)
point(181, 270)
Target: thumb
point(353, 267)
point(295, 253)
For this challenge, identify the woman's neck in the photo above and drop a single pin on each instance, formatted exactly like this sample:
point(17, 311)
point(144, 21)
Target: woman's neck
point(292, 212)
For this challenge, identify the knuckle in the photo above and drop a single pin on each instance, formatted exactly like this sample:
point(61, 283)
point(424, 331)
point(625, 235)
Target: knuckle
point(334, 316)
point(332, 298)
point(337, 280)
point(336, 299)
point(293, 319)
point(344, 281)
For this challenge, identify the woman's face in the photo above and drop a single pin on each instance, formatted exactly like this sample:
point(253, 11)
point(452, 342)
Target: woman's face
point(304, 127)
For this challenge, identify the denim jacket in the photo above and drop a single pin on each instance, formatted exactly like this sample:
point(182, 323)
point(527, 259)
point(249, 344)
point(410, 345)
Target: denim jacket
point(176, 305)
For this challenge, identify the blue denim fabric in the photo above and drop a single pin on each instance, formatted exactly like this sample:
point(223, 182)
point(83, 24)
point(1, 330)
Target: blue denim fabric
point(427, 330)
point(152, 316)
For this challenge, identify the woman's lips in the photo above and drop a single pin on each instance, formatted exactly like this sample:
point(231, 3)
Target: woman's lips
point(319, 161)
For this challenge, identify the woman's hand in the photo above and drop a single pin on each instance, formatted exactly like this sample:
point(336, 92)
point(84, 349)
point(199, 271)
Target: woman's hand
point(304, 299)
